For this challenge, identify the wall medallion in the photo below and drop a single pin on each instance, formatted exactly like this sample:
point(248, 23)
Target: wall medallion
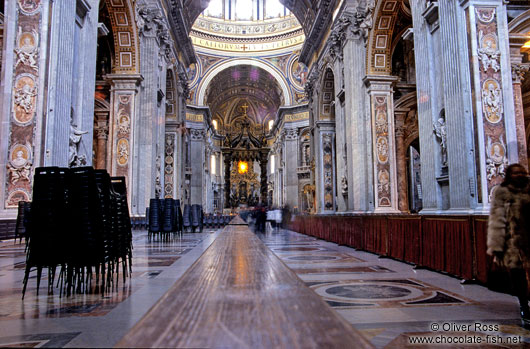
point(24, 99)
point(492, 101)
point(123, 152)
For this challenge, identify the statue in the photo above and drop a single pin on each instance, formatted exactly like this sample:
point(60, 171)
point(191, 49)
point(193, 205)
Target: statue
point(344, 185)
point(74, 159)
point(440, 131)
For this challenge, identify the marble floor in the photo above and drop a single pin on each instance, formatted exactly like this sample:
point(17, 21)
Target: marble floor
point(389, 302)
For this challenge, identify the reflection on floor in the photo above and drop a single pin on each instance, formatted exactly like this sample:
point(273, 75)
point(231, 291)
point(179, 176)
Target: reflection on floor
point(90, 319)
point(388, 301)
point(391, 303)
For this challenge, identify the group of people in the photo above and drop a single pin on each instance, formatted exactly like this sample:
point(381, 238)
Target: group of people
point(509, 232)
point(277, 218)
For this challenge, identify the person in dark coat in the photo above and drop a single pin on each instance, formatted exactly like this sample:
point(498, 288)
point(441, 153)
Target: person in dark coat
point(509, 230)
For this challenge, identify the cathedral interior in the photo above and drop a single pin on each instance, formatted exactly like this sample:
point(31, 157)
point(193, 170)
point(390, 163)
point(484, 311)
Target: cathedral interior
point(381, 126)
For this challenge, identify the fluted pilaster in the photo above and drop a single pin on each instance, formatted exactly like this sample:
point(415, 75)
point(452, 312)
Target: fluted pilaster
point(423, 51)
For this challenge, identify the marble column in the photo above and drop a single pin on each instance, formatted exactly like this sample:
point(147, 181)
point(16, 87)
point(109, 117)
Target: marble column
point(326, 189)
point(291, 165)
point(458, 107)
point(123, 119)
point(401, 162)
point(227, 166)
point(518, 75)
point(102, 134)
point(149, 130)
point(263, 175)
point(359, 155)
point(519, 71)
point(383, 146)
point(340, 135)
point(197, 137)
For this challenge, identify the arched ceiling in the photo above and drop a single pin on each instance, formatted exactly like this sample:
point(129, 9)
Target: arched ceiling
point(315, 17)
point(244, 83)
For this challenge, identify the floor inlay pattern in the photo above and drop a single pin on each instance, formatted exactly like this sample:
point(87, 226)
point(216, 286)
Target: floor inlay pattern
point(151, 257)
point(383, 293)
point(390, 302)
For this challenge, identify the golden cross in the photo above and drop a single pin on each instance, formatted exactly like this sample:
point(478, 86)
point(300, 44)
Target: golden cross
point(244, 107)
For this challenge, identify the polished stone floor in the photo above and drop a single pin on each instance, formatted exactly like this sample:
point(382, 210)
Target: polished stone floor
point(387, 301)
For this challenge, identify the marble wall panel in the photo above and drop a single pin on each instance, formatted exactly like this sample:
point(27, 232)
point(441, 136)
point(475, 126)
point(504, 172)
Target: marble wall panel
point(22, 115)
point(491, 94)
point(382, 151)
point(169, 166)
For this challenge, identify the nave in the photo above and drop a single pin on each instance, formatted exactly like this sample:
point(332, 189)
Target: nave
point(386, 301)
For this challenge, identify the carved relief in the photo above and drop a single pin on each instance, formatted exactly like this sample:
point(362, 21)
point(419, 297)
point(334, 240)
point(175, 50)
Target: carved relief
point(24, 95)
point(197, 135)
point(496, 161)
point(492, 98)
point(19, 166)
point(24, 98)
point(168, 168)
point(124, 122)
point(123, 152)
point(327, 164)
point(519, 71)
point(290, 134)
point(492, 101)
point(488, 53)
point(29, 6)
point(382, 150)
point(27, 48)
point(122, 132)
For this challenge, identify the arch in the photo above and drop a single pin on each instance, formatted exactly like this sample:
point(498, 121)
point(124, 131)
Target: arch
point(125, 33)
point(327, 94)
point(520, 24)
point(379, 52)
point(245, 61)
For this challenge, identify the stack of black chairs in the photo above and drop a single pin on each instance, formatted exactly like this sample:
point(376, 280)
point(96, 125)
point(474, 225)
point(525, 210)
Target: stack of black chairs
point(23, 215)
point(164, 217)
point(79, 220)
point(214, 221)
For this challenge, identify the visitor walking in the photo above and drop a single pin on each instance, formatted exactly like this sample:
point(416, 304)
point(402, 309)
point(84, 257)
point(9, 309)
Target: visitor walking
point(508, 232)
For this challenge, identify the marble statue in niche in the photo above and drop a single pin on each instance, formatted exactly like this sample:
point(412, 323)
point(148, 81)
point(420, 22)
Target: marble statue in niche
point(344, 185)
point(74, 160)
point(158, 184)
point(440, 130)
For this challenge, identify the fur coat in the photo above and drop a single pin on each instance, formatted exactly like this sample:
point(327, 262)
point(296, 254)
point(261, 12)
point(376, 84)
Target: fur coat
point(509, 226)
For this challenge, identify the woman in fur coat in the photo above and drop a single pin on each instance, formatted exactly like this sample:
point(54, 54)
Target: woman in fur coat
point(509, 229)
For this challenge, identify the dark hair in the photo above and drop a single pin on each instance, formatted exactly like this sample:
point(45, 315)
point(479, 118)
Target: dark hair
point(508, 173)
